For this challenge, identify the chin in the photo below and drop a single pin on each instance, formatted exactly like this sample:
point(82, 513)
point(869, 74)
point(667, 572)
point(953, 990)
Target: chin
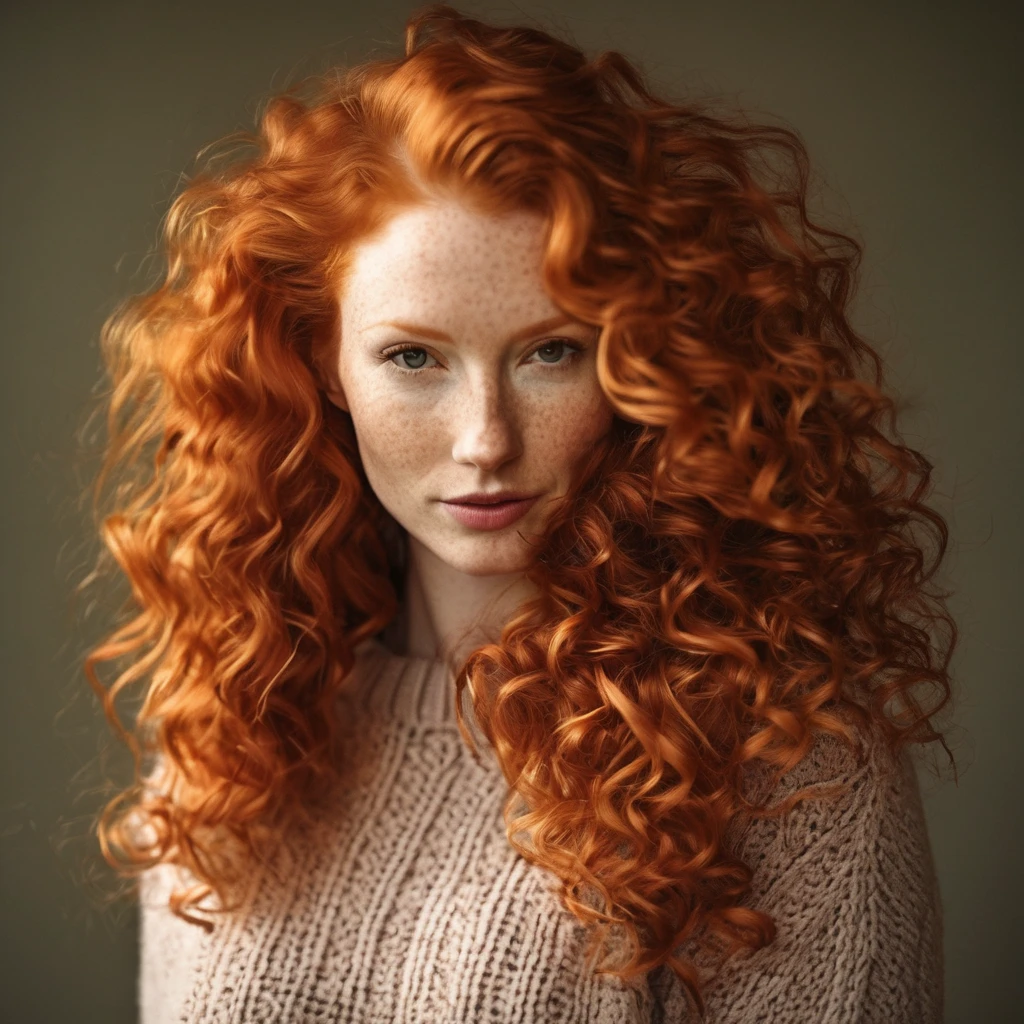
point(487, 563)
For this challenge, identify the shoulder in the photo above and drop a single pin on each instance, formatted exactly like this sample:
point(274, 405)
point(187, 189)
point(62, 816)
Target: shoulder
point(169, 947)
point(849, 798)
point(848, 878)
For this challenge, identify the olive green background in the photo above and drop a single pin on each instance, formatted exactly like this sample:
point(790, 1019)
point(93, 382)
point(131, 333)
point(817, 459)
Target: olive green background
point(912, 116)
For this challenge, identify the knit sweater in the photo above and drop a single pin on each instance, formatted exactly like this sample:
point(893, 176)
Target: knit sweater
point(412, 906)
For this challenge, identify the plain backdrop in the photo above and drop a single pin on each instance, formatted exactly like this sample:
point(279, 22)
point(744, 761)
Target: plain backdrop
point(912, 116)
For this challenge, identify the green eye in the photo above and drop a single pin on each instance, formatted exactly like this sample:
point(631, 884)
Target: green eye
point(413, 358)
point(557, 346)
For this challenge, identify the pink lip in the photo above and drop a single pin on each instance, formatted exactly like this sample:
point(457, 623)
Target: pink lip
point(489, 517)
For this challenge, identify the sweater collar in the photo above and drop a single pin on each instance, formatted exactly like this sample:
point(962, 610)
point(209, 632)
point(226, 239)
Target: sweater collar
point(407, 687)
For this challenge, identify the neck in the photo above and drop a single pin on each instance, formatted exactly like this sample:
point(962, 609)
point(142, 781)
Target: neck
point(450, 613)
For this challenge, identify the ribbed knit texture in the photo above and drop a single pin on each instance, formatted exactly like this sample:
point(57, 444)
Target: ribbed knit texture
point(409, 905)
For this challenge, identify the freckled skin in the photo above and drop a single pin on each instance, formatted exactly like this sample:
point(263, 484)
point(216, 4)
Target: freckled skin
point(479, 412)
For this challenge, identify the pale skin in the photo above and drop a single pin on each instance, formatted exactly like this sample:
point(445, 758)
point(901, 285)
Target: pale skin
point(497, 389)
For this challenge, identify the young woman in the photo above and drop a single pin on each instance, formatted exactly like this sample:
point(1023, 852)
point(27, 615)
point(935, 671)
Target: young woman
point(527, 597)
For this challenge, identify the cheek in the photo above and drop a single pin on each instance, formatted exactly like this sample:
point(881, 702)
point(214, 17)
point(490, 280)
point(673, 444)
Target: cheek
point(395, 444)
point(568, 428)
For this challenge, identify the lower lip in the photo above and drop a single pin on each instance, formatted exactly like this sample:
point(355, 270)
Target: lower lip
point(490, 517)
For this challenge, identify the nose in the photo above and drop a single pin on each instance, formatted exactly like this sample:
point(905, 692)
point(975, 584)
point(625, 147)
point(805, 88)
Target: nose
point(486, 426)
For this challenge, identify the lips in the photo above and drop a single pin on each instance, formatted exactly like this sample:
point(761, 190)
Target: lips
point(488, 498)
point(489, 515)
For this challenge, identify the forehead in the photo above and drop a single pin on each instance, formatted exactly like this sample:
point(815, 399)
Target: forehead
point(447, 253)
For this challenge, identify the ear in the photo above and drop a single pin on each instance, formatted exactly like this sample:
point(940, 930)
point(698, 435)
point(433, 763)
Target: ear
point(327, 377)
point(336, 395)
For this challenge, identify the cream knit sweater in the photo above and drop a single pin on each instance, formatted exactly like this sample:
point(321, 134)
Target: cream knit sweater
point(411, 906)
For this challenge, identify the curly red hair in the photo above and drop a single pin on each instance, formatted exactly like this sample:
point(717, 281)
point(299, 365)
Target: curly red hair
point(735, 570)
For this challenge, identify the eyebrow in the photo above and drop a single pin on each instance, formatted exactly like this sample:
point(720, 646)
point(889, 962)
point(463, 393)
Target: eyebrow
point(435, 335)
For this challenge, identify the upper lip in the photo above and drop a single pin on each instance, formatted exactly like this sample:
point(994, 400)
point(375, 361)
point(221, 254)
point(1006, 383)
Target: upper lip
point(488, 497)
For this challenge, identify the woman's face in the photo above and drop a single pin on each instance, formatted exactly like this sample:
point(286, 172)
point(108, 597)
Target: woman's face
point(461, 375)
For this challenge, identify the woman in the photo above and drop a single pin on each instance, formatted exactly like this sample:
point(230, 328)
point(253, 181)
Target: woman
point(526, 594)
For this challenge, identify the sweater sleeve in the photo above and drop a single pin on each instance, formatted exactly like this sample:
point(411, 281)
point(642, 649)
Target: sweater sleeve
point(850, 883)
point(168, 949)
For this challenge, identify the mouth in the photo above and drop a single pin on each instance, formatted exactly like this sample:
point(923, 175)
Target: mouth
point(492, 515)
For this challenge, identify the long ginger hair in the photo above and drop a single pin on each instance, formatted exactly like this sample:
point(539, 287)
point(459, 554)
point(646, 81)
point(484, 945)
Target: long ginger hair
point(736, 569)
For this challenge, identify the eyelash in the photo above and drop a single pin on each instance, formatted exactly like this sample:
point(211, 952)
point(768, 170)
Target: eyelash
point(574, 349)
